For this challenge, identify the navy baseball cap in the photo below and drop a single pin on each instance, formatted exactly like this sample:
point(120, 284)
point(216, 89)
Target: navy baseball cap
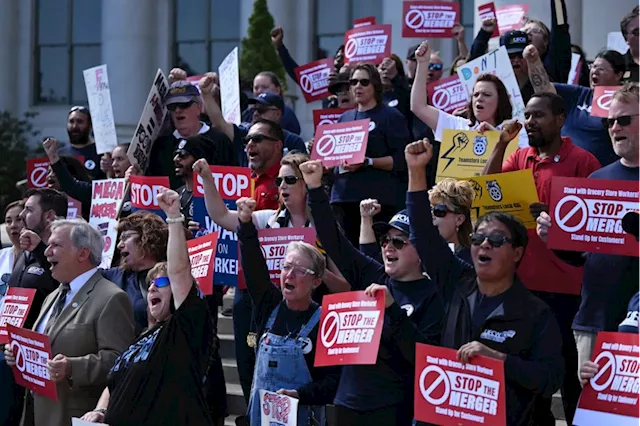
point(515, 41)
point(199, 146)
point(181, 92)
point(411, 53)
point(399, 221)
point(269, 99)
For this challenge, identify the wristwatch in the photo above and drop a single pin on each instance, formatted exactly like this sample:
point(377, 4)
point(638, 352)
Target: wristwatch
point(368, 161)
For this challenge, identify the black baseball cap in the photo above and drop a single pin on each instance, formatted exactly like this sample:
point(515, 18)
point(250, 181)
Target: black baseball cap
point(269, 99)
point(399, 221)
point(515, 41)
point(341, 84)
point(199, 146)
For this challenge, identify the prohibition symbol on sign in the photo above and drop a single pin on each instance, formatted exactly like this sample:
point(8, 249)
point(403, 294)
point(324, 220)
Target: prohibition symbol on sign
point(351, 48)
point(39, 177)
point(431, 379)
point(605, 100)
point(579, 206)
point(21, 362)
point(441, 98)
point(609, 366)
point(325, 145)
point(414, 19)
point(330, 329)
point(306, 84)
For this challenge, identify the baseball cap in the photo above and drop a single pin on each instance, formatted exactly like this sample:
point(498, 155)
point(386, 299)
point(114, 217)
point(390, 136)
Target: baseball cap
point(199, 146)
point(515, 41)
point(399, 221)
point(341, 84)
point(269, 99)
point(411, 53)
point(181, 92)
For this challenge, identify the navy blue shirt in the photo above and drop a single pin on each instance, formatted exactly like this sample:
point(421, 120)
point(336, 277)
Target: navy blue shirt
point(630, 323)
point(609, 280)
point(388, 135)
point(289, 121)
point(584, 130)
point(91, 158)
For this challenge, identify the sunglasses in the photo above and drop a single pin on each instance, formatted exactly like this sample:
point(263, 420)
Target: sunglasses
point(181, 105)
point(623, 120)
point(258, 138)
point(80, 109)
point(296, 271)
point(289, 180)
point(515, 55)
point(495, 240)
point(161, 282)
point(440, 210)
point(364, 82)
point(435, 67)
point(398, 243)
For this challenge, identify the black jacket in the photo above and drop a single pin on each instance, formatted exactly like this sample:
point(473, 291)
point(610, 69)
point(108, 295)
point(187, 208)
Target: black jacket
point(522, 327)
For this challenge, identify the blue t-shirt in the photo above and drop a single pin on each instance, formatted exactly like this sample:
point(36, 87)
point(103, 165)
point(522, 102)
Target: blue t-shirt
point(630, 323)
point(91, 158)
point(584, 130)
point(288, 121)
point(609, 280)
point(388, 135)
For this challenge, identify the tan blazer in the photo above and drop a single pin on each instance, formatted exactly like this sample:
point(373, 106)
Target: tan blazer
point(92, 331)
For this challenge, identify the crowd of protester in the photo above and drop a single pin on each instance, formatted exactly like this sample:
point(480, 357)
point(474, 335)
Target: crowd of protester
point(137, 343)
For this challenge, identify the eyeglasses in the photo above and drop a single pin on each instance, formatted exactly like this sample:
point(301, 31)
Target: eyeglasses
point(600, 69)
point(289, 180)
point(364, 82)
point(434, 67)
point(296, 271)
point(181, 105)
point(623, 120)
point(181, 153)
point(161, 282)
point(495, 240)
point(535, 30)
point(258, 138)
point(440, 210)
point(398, 243)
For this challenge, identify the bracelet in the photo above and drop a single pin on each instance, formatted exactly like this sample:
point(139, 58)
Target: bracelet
point(179, 219)
point(100, 410)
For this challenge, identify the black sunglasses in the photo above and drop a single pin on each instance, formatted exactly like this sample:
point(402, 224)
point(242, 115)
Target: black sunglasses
point(289, 180)
point(79, 108)
point(623, 120)
point(364, 82)
point(398, 243)
point(440, 210)
point(258, 138)
point(434, 67)
point(181, 105)
point(495, 240)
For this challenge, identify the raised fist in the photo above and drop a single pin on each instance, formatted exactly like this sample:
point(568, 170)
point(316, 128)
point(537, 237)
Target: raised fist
point(458, 32)
point(29, 240)
point(422, 52)
point(277, 34)
point(312, 173)
point(169, 202)
point(206, 84)
point(50, 146)
point(369, 207)
point(489, 25)
point(245, 207)
point(530, 53)
point(418, 154)
point(510, 130)
point(177, 74)
point(201, 167)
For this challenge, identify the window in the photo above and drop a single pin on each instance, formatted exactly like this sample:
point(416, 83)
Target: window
point(205, 32)
point(68, 42)
point(335, 17)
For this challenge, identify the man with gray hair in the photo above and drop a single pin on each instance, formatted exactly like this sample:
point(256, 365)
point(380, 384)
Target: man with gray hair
point(88, 319)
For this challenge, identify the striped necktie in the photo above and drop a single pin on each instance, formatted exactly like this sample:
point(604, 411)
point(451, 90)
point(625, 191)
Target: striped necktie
point(57, 307)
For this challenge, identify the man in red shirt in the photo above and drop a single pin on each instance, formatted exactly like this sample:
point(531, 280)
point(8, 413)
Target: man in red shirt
point(558, 284)
point(264, 151)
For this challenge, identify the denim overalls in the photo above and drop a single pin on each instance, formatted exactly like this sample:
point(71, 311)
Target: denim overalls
point(280, 364)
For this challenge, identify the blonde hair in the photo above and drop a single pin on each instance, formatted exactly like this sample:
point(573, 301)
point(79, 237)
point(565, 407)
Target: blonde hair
point(159, 270)
point(458, 196)
point(318, 262)
point(628, 93)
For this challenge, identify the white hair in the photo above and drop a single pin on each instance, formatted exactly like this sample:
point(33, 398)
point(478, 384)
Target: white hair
point(83, 235)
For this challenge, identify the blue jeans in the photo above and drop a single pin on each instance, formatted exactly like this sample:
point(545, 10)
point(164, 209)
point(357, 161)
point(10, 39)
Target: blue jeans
point(242, 324)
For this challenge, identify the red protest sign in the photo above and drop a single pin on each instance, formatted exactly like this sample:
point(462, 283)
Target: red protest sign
point(145, 190)
point(429, 19)
point(327, 116)
point(74, 208)
point(32, 351)
point(202, 254)
point(232, 182)
point(611, 396)
point(367, 44)
point(363, 22)
point(350, 329)
point(340, 143)
point(602, 97)
point(511, 17)
point(587, 215)
point(314, 79)
point(37, 169)
point(488, 11)
point(15, 309)
point(448, 392)
point(447, 94)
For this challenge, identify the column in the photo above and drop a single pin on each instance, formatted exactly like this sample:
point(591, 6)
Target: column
point(9, 19)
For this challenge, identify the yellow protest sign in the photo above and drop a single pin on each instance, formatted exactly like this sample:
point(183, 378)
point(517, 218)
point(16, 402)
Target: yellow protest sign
point(506, 192)
point(464, 153)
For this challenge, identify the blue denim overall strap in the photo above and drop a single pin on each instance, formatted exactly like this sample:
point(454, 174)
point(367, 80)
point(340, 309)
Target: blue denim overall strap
point(280, 364)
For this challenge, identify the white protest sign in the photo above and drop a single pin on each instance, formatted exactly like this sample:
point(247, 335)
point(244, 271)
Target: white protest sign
point(106, 202)
point(496, 62)
point(79, 422)
point(230, 87)
point(616, 41)
point(99, 96)
point(280, 410)
point(575, 69)
point(150, 123)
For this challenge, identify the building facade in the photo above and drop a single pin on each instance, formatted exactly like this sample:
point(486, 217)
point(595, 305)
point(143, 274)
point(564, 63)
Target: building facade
point(45, 44)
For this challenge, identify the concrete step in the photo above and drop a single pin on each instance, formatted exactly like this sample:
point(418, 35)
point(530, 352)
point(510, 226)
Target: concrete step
point(556, 406)
point(227, 346)
point(230, 368)
point(231, 420)
point(225, 324)
point(235, 400)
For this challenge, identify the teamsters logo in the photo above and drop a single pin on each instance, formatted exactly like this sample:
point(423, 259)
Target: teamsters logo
point(480, 145)
point(494, 190)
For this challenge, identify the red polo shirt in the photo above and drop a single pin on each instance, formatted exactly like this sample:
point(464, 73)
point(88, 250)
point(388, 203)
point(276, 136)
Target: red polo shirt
point(540, 269)
point(266, 192)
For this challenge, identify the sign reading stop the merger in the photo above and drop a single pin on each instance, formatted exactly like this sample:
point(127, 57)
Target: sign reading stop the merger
point(327, 116)
point(587, 215)
point(314, 79)
point(488, 11)
point(350, 329)
point(450, 393)
point(341, 143)
point(602, 97)
point(15, 309)
point(611, 396)
point(371, 43)
point(429, 19)
point(202, 254)
point(447, 94)
point(144, 193)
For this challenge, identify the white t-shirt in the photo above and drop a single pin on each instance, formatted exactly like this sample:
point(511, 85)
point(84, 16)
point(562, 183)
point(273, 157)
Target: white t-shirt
point(7, 259)
point(448, 121)
point(268, 219)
